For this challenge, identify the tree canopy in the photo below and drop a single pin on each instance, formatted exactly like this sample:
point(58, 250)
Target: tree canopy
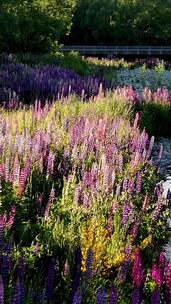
point(33, 25)
point(121, 22)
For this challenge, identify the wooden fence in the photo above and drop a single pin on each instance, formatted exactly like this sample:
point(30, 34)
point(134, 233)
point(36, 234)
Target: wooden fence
point(119, 50)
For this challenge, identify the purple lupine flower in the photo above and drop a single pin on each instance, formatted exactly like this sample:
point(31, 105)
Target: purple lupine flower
point(156, 275)
point(77, 297)
point(101, 295)
point(21, 268)
point(38, 297)
point(1, 290)
point(18, 294)
point(113, 295)
point(50, 279)
point(6, 266)
point(76, 272)
point(138, 182)
point(89, 262)
point(155, 297)
point(127, 214)
point(7, 169)
point(160, 154)
point(123, 271)
point(137, 270)
point(136, 298)
point(157, 210)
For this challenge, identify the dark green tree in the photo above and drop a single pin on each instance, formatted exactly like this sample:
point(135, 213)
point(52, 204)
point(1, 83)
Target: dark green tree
point(33, 25)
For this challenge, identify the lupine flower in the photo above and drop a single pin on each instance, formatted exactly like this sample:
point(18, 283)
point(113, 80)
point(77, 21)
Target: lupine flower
point(89, 262)
point(76, 272)
point(138, 182)
point(18, 294)
point(136, 299)
point(168, 282)
point(127, 214)
point(1, 290)
point(50, 279)
point(101, 295)
point(137, 270)
point(157, 210)
point(50, 201)
point(11, 217)
point(113, 295)
point(162, 260)
point(77, 297)
point(155, 297)
point(156, 275)
point(66, 269)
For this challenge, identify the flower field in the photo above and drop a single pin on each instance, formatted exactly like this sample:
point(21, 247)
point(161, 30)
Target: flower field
point(82, 216)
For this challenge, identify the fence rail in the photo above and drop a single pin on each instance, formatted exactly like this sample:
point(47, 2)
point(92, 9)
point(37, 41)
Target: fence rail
point(119, 50)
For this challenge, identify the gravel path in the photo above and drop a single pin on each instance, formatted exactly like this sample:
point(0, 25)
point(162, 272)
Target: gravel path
point(165, 171)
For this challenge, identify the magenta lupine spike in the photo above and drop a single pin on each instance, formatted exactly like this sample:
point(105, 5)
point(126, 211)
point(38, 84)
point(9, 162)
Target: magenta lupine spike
point(162, 260)
point(137, 270)
point(11, 217)
point(1, 290)
point(168, 282)
point(156, 275)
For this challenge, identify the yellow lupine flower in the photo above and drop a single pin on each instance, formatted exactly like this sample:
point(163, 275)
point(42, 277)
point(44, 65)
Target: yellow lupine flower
point(94, 235)
point(147, 241)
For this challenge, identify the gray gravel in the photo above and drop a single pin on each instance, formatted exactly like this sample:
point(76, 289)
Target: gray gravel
point(165, 171)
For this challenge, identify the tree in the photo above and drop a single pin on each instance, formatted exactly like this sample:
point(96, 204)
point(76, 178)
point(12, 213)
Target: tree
point(121, 22)
point(33, 25)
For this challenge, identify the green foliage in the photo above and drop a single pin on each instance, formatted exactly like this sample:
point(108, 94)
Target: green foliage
point(33, 25)
point(156, 119)
point(109, 22)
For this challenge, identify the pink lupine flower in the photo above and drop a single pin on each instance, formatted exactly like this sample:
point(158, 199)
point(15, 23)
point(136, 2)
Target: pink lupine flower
point(137, 270)
point(11, 217)
point(156, 275)
point(49, 204)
